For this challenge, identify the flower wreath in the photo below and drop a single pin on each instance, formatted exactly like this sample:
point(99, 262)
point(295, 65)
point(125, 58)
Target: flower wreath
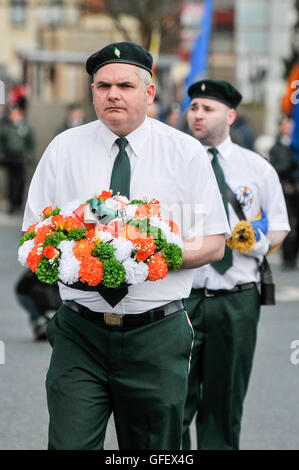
point(107, 241)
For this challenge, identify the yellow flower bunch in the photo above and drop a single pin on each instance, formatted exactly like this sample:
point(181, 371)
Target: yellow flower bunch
point(242, 238)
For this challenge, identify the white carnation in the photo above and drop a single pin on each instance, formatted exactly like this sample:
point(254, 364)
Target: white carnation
point(130, 211)
point(112, 204)
point(24, 251)
point(47, 221)
point(136, 273)
point(105, 235)
point(123, 249)
point(122, 199)
point(156, 222)
point(170, 236)
point(69, 265)
point(173, 238)
point(66, 247)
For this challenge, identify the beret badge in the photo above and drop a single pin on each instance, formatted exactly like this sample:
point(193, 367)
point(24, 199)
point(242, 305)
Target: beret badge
point(117, 52)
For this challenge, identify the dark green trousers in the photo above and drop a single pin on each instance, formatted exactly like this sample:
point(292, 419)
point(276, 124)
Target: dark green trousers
point(225, 329)
point(139, 374)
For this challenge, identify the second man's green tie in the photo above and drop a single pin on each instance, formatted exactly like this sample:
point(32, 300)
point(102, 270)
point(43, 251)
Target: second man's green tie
point(227, 261)
point(121, 172)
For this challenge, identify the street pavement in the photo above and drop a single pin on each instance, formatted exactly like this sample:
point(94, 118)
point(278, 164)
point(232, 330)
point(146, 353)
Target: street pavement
point(271, 411)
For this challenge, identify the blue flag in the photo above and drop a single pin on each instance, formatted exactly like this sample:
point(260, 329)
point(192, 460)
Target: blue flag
point(199, 56)
point(295, 142)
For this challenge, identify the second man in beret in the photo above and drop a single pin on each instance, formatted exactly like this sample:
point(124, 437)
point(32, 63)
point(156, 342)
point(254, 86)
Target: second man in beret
point(224, 305)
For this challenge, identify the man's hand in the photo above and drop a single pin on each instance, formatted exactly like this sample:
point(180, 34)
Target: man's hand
point(261, 247)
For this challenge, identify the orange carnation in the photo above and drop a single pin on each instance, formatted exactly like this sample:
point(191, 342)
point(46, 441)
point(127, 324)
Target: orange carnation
point(72, 222)
point(133, 234)
point(50, 252)
point(83, 249)
point(105, 195)
point(148, 210)
point(91, 271)
point(33, 259)
point(146, 247)
point(90, 235)
point(126, 232)
point(31, 228)
point(157, 268)
point(153, 208)
point(173, 226)
point(42, 233)
point(48, 210)
point(58, 221)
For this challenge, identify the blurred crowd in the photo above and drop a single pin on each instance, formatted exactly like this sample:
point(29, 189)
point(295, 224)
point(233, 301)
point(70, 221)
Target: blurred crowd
point(18, 156)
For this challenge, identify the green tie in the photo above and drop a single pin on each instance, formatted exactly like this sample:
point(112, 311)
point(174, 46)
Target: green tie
point(227, 261)
point(121, 172)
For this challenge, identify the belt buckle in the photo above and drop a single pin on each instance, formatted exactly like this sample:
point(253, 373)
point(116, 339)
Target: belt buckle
point(113, 319)
point(206, 293)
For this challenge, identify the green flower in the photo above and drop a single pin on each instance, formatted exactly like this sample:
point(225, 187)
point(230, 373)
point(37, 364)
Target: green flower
point(156, 233)
point(114, 273)
point(138, 202)
point(173, 255)
point(54, 240)
point(161, 243)
point(134, 222)
point(103, 251)
point(47, 272)
point(26, 237)
point(144, 225)
point(76, 234)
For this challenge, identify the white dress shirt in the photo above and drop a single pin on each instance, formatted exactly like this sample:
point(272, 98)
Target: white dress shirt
point(256, 185)
point(166, 164)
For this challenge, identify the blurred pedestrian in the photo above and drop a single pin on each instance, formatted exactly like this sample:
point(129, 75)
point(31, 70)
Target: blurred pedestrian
point(154, 110)
point(38, 300)
point(242, 133)
point(173, 116)
point(17, 145)
point(75, 116)
point(281, 157)
point(224, 305)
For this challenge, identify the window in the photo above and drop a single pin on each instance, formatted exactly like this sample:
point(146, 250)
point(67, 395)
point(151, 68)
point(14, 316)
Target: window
point(18, 12)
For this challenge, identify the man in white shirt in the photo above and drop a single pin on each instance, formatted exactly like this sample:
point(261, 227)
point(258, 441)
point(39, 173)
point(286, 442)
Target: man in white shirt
point(224, 304)
point(138, 369)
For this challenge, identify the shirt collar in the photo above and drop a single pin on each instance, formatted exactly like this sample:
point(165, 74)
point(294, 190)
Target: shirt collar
point(136, 138)
point(224, 148)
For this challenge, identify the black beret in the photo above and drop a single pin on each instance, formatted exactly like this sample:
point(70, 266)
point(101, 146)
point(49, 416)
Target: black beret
point(120, 52)
point(218, 90)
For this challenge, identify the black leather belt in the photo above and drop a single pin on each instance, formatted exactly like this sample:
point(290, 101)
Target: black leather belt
point(116, 320)
point(214, 293)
